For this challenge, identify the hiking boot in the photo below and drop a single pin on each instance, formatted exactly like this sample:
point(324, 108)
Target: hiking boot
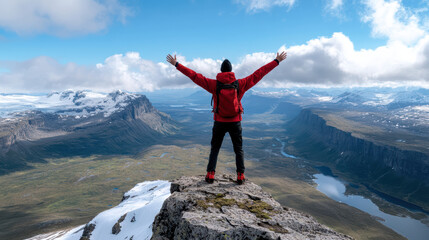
point(210, 177)
point(240, 178)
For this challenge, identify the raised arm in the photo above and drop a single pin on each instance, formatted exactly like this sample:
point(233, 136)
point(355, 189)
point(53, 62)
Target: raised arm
point(206, 83)
point(254, 78)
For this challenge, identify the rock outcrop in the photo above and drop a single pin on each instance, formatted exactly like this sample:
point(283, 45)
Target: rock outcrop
point(225, 210)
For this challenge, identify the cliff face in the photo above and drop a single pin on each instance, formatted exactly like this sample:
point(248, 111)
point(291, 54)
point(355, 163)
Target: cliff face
point(13, 131)
point(364, 154)
point(6, 140)
point(141, 109)
point(225, 210)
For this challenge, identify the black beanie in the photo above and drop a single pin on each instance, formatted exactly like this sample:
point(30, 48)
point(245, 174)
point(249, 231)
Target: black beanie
point(226, 66)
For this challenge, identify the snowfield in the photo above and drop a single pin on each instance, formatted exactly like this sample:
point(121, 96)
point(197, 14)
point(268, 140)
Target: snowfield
point(142, 203)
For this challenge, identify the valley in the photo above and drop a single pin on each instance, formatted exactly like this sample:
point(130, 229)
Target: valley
point(69, 191)
point(63, 192)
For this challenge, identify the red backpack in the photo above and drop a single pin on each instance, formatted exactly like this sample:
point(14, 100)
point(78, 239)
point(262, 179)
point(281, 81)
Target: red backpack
point(227, 104)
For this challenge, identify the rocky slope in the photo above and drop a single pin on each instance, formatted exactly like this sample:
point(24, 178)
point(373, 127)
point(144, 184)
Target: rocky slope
point(189, 208)
point(225, 210)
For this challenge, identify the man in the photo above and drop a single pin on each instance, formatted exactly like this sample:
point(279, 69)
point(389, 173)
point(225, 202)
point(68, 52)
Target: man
point(227, 94)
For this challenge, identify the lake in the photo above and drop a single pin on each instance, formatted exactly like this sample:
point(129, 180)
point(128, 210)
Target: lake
point(408, 227)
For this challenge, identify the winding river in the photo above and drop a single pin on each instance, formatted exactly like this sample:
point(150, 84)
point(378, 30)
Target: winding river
point(282, 150)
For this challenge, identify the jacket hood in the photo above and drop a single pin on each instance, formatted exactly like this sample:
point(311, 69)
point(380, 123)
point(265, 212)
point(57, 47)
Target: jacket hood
point(226, 66)
point(226, 77)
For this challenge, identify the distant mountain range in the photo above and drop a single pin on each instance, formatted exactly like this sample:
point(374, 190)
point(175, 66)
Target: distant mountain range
point(74, 123)
point(357, 96)
point(395, 108)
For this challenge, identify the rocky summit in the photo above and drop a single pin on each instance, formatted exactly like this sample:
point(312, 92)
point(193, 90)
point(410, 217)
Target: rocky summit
point(226, 210)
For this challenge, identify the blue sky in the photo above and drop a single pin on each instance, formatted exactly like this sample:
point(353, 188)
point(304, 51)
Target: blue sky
point(204, 29)
point(68, 39)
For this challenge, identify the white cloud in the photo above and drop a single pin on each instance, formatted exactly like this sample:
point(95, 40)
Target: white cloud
point(317, 62)
point(332, 62)
point(256, 5)
point(59, 17)
point(322, 62)
point(392, 20)
point(128, 72)
point(335, 8)
point(334, 4)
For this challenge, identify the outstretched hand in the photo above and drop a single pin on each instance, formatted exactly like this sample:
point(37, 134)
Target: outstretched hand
point(282, 56)
point(172, 60)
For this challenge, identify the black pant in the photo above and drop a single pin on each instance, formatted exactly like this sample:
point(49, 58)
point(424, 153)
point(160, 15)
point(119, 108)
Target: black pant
point(219, 130)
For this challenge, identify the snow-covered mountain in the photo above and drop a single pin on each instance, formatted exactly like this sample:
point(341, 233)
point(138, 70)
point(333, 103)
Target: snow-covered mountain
point(132, 219)
point(383, 97)
point(419, 96)
point(75, 123)
point(68, 103)
point(348, 98)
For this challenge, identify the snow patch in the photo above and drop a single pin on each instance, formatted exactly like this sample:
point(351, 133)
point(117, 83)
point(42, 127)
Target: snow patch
point(142, 203)
point(324, 99)
point(423, 108)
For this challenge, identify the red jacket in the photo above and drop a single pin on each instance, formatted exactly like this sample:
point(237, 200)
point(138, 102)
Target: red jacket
point(227, 78)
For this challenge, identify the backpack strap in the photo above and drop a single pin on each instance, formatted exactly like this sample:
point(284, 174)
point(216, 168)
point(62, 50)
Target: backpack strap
point(235, 85)
point(219, 86)
point(237, 88)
